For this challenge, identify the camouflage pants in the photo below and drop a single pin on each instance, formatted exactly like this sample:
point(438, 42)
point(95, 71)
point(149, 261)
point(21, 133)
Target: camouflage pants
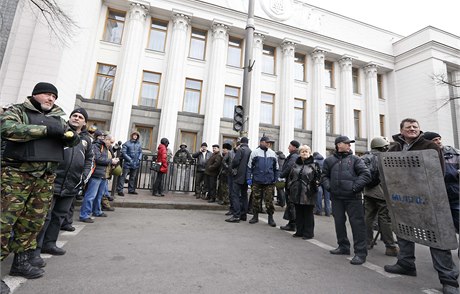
point(25, 201)
point(268, 192)
point(223, 193)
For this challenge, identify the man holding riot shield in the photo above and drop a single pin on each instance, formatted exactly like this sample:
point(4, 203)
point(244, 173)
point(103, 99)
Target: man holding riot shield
point(411, 139)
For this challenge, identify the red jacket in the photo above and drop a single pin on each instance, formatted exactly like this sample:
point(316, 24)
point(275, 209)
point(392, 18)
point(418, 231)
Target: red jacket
point(162, 157)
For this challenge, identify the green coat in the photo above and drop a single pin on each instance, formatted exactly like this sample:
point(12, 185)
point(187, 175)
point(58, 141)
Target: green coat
point(16, 127)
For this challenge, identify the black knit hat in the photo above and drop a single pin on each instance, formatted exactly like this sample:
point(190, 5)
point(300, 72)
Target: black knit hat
point(81, 111)
point(42, 87)
point(244, 140)
point(295, 143)
point(431, 135)
point(204, 144)
point(216, 145)
point(227, 146)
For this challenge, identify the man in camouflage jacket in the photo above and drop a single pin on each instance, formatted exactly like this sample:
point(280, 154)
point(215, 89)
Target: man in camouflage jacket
point(34, 136)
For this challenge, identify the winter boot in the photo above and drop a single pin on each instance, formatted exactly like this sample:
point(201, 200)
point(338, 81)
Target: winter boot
point(271, 221)
point(4, 288)
point(21, 267)
point(255, 218)
point(35, 259)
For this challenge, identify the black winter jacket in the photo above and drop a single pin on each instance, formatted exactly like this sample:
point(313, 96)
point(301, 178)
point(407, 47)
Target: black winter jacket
point(101, 159)
point(345, 175)
point(240, 163)
point(303, 181)
point(75, 170)
point(288, 164)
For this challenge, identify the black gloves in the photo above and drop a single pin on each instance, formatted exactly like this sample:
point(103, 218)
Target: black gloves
point(55, 131)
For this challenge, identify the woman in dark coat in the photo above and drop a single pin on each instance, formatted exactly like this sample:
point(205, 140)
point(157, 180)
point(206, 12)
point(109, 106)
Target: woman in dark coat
point(303, 184)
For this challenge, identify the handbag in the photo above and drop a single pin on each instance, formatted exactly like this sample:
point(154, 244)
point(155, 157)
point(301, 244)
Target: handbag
point(155, 166)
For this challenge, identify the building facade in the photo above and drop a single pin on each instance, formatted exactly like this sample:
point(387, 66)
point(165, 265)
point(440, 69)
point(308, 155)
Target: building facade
point(175, 69)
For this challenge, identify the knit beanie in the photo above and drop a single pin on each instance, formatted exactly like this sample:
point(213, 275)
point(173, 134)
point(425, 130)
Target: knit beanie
point(431, 135)
point(81, 111)
point(42, 87)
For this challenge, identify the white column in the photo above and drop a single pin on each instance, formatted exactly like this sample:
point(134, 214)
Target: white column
point(254, 115)
point(173, 90)
point(455, 107)
point(346, 116)
point(216, 84)
point(372, 102)
point(286, 100)
point(318, 108)
point(128, 71)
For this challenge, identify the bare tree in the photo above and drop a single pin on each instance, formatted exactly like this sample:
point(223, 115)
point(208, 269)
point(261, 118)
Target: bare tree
point(61, 25)
point(443, 80)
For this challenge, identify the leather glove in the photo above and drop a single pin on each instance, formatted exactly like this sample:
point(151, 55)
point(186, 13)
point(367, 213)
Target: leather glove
point(55, 131)
point(249, 182)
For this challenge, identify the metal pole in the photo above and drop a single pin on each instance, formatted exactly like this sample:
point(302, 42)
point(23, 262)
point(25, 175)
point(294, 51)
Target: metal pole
point(248, 63)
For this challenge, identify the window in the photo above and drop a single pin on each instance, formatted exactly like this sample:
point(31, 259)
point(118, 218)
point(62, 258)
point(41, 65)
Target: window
point(355, 79)
point(234, 52)
point(189, 138)
point(114, 26)
point(150, 88)
point(192, 96)
point(299, 113)
point(329, 119)
point(146, 137)
point(268, 60)
point(382, 124)
point(232, 96)
point(197, 44)
point(104, 81)
point(299, 67)
point(266, 108)
point(158, 32)
point(357, 122)
point(329, 74)
point(380, 86)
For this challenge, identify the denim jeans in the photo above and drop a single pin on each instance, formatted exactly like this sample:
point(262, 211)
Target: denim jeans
point(92, 200)
point(327, 201)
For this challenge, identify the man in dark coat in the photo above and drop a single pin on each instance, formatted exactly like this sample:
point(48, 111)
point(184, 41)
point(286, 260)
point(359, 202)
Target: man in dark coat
point(202, 156)
point(71, 175)
point(239, 196)
point(289, 212)
point(211, 171)
point(411, 138)
point(344, 175)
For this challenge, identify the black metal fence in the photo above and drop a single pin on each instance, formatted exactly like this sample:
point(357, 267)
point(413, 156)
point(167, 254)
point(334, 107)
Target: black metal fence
point(180, 176)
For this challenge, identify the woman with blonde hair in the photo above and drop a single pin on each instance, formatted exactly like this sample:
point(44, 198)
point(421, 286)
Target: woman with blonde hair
point(303, 183)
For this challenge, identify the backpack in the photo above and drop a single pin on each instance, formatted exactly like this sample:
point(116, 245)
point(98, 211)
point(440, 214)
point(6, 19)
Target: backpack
point(370, 160)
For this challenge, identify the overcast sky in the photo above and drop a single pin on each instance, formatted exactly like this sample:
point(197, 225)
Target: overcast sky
point(403, 17)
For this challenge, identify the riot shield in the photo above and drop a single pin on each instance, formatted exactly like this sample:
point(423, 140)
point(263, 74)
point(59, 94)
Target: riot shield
point(416, 197)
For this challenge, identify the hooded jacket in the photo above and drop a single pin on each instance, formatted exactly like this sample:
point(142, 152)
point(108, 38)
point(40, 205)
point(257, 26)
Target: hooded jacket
point(132, 153)
point(162, 157)
point(101, 159)
point(345, 175)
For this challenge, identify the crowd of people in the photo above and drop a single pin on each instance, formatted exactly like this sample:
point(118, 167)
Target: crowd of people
point(47, 162)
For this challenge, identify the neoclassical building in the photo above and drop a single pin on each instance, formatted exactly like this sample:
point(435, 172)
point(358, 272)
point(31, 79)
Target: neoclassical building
point(175, 69)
